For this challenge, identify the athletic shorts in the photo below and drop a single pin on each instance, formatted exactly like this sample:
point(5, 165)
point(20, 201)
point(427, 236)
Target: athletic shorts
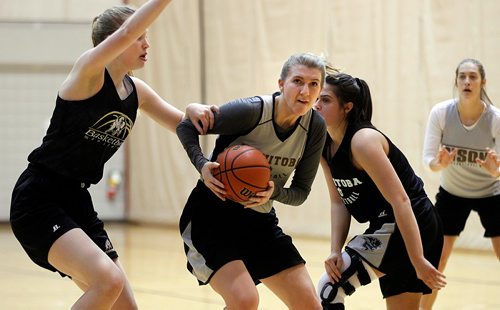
point(454, 212)
point(44, 206)
point(217, 232)
point(386, 246)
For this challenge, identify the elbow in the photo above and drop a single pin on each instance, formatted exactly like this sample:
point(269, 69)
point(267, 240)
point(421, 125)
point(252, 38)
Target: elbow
point(301, 198)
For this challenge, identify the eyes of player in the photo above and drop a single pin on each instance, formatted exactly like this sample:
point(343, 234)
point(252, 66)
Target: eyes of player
point(300, 82)
point(471, 76)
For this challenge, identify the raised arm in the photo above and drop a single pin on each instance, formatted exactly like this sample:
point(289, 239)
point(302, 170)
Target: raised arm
point(86, 76)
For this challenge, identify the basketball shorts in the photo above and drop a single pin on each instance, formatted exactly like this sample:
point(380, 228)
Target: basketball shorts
point(45, 206)
point(216, 232)
point(385, 250)
point(454, 212)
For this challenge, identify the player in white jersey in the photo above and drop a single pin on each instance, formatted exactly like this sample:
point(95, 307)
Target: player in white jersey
point(462, 141)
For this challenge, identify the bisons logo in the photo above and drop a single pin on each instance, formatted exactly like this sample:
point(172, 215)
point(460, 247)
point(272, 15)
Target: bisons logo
point(371, 243)
point(111, 129)
point(467, 157)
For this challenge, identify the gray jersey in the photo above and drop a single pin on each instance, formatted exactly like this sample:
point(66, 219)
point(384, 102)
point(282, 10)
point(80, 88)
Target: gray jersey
point(283, 156)
point(464, 177)
point(250, 121)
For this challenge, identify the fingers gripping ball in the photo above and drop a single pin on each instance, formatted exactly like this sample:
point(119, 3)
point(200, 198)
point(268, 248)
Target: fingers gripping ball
point(244, 171)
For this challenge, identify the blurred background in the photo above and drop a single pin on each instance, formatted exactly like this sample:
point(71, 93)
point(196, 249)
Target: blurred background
point(212, 51)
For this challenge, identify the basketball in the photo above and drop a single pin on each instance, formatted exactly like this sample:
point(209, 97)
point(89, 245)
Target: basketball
point(244, 171)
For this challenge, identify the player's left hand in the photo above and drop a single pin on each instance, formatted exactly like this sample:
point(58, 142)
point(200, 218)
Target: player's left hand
point(491, 163)
point(260, 198)
point(432, 277)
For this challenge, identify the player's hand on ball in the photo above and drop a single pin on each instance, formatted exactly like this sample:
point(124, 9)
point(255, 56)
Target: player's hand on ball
point(260, 198)
point(210, 181)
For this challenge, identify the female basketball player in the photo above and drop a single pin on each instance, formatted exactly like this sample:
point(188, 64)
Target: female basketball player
point(234, 246)
point(370, 179)
point(52, 214)
point(463, 141)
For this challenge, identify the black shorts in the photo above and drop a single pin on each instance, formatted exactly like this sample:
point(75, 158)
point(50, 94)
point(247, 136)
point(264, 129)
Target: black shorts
point(454, 212)
point(217, 232)
point(44, 206)
point(400, 275)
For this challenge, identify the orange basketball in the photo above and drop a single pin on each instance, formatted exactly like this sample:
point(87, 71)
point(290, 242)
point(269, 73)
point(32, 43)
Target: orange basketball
point(244, 171)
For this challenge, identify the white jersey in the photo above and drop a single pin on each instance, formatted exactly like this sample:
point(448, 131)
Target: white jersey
point(464, 177)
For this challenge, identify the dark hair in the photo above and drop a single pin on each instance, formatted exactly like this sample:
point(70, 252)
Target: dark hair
point(482, 73)
point(350, 89)
point(108, 22)
point(306, 59)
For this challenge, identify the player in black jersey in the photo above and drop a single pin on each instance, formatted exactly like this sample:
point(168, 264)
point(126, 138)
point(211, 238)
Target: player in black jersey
point(370, 179)
point(233, 246)
point(52, 214)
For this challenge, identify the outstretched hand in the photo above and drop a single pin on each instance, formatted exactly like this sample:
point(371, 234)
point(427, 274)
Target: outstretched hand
point(202, 116)
point(445, 157)
point(491, 163)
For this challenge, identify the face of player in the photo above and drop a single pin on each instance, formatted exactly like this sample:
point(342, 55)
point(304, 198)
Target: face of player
point(135, 56)
point(468, 81)
point(329, 106)
point(300, 90)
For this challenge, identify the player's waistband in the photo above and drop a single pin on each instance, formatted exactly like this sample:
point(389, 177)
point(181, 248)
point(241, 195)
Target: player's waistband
point(58, 178)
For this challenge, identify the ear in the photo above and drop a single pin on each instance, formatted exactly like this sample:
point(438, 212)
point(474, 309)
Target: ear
point(348, 107)
point(281, 85)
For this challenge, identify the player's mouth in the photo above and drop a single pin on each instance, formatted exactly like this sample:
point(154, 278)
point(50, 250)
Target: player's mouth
point(144, 57)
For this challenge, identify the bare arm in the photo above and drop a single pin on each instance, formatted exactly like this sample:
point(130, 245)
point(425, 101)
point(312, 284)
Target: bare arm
point(155, 107)
point(168, 115)
point(87, 75)
point(370, 149)
point(340, 222)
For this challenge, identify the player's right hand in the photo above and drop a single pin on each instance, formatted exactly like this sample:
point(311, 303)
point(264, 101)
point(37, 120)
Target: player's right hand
point(210, 181)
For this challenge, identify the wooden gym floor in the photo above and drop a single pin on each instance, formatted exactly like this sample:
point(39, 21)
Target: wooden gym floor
point(155, 265)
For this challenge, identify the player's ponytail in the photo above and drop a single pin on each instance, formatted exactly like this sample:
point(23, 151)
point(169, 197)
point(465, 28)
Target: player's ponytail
point(350, 89)
point(364, 109)
point(108, 22)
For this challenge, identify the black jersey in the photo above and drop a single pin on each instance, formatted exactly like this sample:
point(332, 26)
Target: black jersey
point(358, 191)
point(84, 134)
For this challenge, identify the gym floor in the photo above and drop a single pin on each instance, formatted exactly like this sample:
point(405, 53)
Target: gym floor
point(155, 265)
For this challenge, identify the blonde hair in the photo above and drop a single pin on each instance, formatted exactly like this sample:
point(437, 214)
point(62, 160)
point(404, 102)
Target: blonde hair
point(108, 22)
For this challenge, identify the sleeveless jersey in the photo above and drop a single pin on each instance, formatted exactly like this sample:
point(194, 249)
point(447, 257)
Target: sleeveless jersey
point(359, 193)
point(283, 155)
point(464, 177)
point(84, 134)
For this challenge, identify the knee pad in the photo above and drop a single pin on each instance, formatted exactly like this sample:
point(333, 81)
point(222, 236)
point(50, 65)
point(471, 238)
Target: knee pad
point(354, 276)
